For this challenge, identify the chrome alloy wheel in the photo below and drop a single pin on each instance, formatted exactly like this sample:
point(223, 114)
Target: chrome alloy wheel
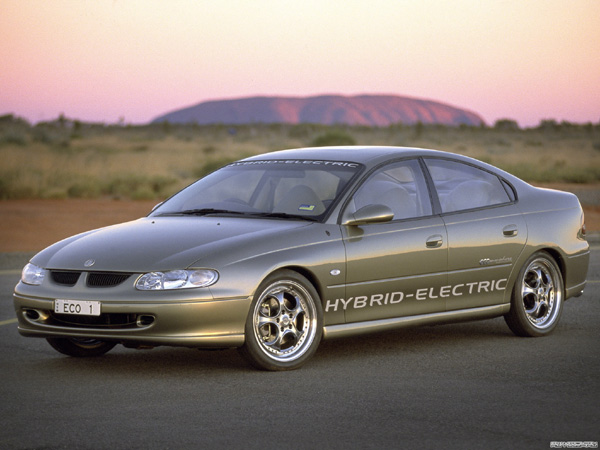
point(285, 321)
point(541, 293)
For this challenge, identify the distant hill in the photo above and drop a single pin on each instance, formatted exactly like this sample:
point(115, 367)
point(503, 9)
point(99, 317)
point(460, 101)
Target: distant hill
point(370, 110)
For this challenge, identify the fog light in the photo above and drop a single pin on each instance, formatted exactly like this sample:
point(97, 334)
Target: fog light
point(32, 314)
point(36, 315)
point(145, 320)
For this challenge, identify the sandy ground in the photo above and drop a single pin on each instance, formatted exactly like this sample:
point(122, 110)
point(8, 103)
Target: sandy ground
point(31, 225)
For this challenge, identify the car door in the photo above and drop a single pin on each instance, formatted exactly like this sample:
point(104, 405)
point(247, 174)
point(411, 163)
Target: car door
point(486, 232)
point(394, 268)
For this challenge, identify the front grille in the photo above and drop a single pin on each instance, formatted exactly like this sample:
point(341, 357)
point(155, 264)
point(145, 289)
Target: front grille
point(107, 320)
point(65, 278)
point(106, 279)
point(93, 280)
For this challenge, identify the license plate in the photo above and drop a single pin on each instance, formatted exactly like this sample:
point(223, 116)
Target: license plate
point(77, 307)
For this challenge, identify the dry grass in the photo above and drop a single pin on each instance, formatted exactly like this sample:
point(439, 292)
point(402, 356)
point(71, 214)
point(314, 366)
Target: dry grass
point(73, 160)
point(79, 162)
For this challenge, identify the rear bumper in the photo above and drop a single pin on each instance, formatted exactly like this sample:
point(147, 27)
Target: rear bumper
point(576, 274)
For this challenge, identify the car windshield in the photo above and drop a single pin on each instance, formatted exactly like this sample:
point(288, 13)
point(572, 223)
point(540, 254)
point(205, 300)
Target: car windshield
point(303, 189)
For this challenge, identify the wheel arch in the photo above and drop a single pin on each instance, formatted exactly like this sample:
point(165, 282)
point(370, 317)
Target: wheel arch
point(306, 273)
point(558, 258)
point(573, 285)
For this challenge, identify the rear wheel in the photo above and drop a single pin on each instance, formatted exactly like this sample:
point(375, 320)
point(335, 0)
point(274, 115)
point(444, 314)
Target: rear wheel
point(285, 323)
point(80, 347)
point(537, 297)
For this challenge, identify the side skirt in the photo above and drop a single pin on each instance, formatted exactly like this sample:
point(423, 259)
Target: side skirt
point(373, 326)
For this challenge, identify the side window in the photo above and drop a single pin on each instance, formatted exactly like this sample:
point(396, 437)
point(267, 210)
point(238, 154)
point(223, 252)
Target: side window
point(399, 186)
point(460, 186)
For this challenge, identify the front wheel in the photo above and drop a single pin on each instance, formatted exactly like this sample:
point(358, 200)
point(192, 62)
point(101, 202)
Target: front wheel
point(537, 297)
point(80, 347)
point(285, 323)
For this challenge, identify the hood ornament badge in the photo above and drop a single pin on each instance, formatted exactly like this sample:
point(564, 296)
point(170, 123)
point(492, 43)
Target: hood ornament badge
point(89, 263)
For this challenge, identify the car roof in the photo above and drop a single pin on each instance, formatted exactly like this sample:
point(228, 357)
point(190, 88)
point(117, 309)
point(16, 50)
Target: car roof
point(371, 156)
point(367, 155)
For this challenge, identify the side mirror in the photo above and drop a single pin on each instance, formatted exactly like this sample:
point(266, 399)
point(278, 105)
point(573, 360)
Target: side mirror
point(369, 214)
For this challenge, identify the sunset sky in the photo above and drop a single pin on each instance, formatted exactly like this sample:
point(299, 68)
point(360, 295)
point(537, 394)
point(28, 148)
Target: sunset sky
point(132, 60)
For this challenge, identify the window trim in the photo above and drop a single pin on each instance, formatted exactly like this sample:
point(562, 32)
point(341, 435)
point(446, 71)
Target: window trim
point(367, 175)
point(513, 199)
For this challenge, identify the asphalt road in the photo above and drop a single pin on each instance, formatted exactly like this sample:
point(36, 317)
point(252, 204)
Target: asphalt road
point(460, 386)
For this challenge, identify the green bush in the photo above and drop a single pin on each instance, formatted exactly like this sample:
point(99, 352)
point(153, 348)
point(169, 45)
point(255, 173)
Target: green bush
point(334, 137)
point(303, 130)
point(84, 189)
point(558, 173)
point(14, 137)
point(212, 165)
point(139, 187)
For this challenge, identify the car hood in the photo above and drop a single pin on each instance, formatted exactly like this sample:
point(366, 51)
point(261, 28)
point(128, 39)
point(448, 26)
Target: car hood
point(157, 244)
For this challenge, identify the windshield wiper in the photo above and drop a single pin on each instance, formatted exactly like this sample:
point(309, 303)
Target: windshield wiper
point(282, 215)
point(206, 211)
point(201, 212)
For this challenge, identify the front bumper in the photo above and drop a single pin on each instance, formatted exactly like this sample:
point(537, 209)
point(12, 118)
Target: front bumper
point(191, 323)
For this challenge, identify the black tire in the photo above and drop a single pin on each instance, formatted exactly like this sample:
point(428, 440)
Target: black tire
point(285, 323)
point(80, 347)
point(537, 298)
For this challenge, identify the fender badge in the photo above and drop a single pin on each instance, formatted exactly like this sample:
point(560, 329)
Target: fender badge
point(491, 262)
point(89, 263)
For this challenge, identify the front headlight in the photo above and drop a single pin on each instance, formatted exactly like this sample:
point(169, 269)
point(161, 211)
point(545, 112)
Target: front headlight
point(33, 274)
point(176, 279)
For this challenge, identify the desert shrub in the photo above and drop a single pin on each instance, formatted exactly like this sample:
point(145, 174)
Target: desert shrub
point(506, 125)
point(211, 166)
point(14, 137)
point(13, 186)
point(70, 158)
point(51, 135)
point(85, 188)
point(557, 173)
point(139, 187)
point(161, 185)
point(534, 143)
point(56, 193)
point(548, 125)
point(419, 129)
point(579, 175)
point(303, 130)
point(334, 137)
point(143, 193)
point(4, 189)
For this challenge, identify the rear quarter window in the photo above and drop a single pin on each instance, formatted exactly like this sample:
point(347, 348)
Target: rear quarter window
point(462, 186)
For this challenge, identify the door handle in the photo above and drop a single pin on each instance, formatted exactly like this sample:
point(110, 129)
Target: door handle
point(434, 241)
point(510, 230)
